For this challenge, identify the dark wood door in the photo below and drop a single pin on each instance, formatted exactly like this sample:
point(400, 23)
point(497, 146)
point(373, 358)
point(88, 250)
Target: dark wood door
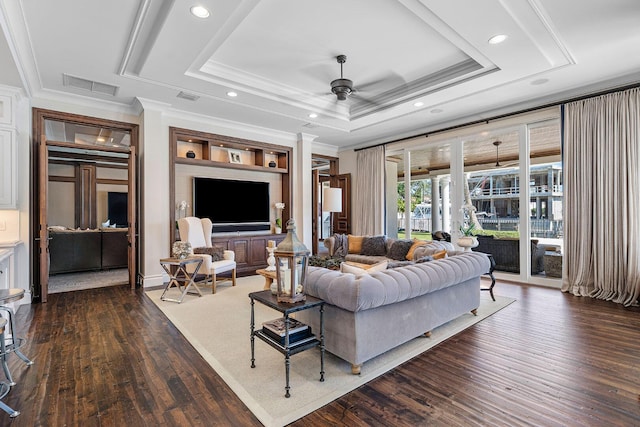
point(43, 231)
point(342, 220)
point(132, 218)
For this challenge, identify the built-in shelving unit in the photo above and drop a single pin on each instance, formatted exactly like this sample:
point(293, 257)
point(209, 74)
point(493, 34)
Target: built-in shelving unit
point(252, 160)
point(228, 152)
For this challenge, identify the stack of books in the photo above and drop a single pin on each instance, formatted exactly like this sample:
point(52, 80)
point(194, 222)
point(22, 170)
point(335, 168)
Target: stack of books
point(298, 332)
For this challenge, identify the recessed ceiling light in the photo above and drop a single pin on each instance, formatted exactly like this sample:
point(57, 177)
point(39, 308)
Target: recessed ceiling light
point(313, 115)
point(418, 104)
point(232, 94)
point(498, 38)
point(200, 11)
point(436, 111)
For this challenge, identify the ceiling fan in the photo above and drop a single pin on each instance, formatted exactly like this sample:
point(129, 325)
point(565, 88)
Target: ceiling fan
point(342, 87)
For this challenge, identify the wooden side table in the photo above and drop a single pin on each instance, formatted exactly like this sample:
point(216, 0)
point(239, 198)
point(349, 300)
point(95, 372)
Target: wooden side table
point(269, 277)
point(179, 277)
point(270, 300)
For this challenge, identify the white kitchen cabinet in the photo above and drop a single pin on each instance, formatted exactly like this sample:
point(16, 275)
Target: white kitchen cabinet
point(8, 184)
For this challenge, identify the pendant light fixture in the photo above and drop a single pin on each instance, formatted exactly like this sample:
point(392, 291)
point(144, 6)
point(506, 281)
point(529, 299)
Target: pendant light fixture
point(497, 144)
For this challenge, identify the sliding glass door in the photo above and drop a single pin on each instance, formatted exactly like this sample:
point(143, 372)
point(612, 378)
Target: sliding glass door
point(509, 179)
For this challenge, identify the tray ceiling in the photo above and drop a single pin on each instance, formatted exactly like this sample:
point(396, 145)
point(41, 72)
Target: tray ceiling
point(280, 57)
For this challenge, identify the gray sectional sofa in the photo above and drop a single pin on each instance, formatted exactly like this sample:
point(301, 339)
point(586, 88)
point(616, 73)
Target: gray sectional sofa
point(367, 315)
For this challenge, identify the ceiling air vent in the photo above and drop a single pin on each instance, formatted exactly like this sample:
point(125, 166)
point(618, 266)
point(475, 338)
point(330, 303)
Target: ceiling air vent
point(309, 126)
point(188, 96)
point(89, 85)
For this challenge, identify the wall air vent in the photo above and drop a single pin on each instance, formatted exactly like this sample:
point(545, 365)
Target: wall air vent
point(89, 85)
point(188, 96)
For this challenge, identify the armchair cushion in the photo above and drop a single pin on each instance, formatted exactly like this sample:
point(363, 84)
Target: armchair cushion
point(216, 253)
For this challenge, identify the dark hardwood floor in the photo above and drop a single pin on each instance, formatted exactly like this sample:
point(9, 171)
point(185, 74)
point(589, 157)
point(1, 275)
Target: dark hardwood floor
point(107, 357)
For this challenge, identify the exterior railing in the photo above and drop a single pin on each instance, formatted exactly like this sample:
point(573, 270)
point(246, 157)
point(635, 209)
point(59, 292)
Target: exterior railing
point(539, 227)
point(514, 191)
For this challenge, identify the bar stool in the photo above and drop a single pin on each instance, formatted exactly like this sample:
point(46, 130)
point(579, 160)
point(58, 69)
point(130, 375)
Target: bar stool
point(4, 386)
point(13, 343)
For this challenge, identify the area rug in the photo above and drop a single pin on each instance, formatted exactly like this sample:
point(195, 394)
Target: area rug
point(217, 325)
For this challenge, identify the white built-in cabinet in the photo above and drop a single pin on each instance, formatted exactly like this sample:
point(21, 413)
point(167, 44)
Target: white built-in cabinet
point(8, 158)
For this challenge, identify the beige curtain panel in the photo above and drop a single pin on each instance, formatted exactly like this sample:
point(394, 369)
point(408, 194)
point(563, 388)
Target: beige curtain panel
point(602, 197)
point(368, 218)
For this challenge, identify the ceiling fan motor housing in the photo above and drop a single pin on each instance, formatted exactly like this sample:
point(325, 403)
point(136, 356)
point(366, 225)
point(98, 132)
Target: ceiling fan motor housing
point(342, 88)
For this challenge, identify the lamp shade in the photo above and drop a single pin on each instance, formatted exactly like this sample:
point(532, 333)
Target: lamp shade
point(332, 200)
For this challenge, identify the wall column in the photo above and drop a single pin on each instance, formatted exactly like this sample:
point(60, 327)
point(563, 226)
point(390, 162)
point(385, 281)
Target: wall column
point(446, 210)
point(436, 222)
point(302, 191)
point(407, 194)
point(153, 160)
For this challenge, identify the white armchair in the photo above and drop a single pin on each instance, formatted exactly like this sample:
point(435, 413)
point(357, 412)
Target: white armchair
point(198, 232)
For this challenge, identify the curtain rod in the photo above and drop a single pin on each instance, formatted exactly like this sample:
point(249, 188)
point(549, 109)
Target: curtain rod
point(502, 116)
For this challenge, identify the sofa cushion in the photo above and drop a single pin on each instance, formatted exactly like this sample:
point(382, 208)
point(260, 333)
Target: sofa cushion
point(355, 243)
point(374, 246)
point(399, 249)
point(216, 253)
point(396, 264)
point(345, 267)
point(433, 247)
point(365, 259)
point(416, 244)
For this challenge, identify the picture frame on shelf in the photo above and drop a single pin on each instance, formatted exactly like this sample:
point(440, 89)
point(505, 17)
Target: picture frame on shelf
point(235, 156)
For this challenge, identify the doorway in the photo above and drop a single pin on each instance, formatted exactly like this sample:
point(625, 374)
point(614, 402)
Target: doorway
point(84, 202)
point(325, 223)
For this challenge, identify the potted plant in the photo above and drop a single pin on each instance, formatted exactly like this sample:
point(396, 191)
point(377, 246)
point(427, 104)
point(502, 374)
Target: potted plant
point(278, 225)
point(467, 240)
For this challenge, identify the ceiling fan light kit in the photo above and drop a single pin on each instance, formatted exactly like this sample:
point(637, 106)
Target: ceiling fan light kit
point(342, 87)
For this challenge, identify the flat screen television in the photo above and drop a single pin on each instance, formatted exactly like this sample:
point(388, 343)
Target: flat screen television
point(232, 205)
point(117, 205)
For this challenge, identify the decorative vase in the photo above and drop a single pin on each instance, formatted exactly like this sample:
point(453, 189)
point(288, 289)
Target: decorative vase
point(272, 164)
point(181, 250)
point(467, 242)
point(278, 230)
point(191, 154)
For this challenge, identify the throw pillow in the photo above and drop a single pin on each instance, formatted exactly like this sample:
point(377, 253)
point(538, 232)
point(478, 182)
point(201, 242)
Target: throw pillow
point(355, 243)
point(399, 249)
point(416, 244)
point(346, 268)
point(440, 254)
point(374, 246)
point(216, 253)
